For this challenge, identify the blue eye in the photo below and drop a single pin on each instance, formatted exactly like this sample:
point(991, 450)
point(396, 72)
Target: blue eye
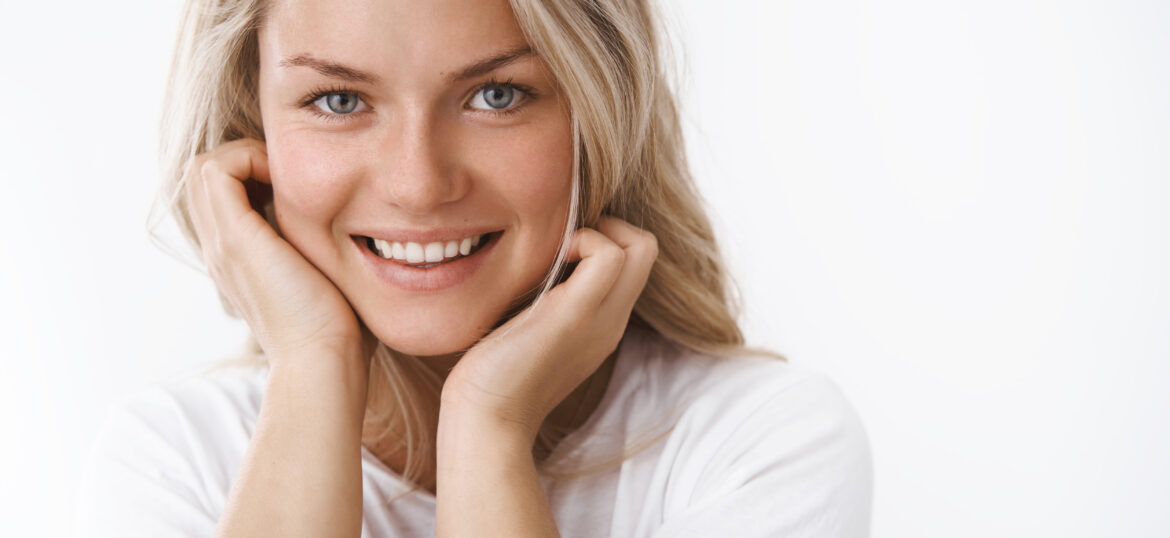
point(338, 102)
point(497, 97)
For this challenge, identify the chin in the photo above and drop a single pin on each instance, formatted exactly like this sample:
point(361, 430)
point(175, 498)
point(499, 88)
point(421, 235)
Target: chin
point(423, 337)
point(437, 325)
point(423, 349)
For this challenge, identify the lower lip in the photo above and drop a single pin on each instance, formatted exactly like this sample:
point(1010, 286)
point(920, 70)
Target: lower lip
point(438, 277)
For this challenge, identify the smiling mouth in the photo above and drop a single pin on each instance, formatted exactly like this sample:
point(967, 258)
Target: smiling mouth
point(426, 255)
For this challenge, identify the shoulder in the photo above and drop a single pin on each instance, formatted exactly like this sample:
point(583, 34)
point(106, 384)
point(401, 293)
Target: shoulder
point(718, 389)
point(780, 445)
point(792, 415)
point(218, 407)
point(758, 404)
point(164, 457)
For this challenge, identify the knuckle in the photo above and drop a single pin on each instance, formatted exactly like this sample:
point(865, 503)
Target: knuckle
point(257, 145)
point(242, 142)
point(192, 171)
point(247, 146)
point(652, 249)
point(648, 240)
point(616, 254)
point(209, 167)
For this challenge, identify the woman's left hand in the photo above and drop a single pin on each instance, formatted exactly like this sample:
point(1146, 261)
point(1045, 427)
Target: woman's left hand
point(521, 371)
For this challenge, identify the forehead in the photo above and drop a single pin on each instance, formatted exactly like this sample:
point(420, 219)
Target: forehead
point(389, 37)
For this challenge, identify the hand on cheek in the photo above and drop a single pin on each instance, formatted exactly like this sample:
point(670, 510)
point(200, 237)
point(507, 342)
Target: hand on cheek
point(290, 306)
point(521, 371)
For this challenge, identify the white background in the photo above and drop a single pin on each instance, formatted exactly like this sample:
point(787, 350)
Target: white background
point(955, 208)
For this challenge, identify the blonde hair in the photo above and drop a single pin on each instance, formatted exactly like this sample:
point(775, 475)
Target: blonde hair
point(630, 163)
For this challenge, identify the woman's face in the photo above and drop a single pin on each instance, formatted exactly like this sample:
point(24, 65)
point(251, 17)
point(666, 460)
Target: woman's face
point(415, 128)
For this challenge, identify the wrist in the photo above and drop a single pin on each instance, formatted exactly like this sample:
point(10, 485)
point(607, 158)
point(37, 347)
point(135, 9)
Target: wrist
point(323, 374)
point(352, 349)
point(350, 357)
point(478, 425)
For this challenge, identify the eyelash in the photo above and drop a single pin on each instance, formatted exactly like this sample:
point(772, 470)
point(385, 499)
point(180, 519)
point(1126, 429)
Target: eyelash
point(309, 101)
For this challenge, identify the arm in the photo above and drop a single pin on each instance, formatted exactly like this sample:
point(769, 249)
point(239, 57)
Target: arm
point(306, 448)
point(301, 475)
point(486, 479)
point(500, 392)
point(799, 466)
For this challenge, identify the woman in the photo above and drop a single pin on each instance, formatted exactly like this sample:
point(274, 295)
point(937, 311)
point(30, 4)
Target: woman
point(485, 295)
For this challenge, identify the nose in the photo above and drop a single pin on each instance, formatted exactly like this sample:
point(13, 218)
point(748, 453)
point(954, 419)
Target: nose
point(418, 171)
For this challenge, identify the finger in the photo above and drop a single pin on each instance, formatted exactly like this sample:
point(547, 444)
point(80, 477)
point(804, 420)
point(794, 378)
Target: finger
point(244, 158)
point(225, 193)
point(641, 248)
point(600, 264)
point(241, 159)
point(193, 193)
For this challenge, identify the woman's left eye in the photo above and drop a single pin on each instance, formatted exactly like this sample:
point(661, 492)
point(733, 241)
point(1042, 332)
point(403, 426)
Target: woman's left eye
point(496, 97)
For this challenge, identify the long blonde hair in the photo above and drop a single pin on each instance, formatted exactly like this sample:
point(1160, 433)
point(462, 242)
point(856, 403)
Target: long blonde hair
point(630, 163)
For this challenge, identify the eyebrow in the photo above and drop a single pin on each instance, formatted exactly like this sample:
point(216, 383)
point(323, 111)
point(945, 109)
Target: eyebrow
point(341, 71)
point(329, 68)
point(487, 65)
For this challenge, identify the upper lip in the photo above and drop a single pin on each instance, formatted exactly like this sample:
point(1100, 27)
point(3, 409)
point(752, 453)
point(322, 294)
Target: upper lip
point(406, 235)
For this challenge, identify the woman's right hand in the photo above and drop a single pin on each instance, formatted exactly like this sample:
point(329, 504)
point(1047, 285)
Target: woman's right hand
point(289, 304)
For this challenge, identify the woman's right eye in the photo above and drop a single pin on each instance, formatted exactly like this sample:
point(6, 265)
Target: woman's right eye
point(337, 103)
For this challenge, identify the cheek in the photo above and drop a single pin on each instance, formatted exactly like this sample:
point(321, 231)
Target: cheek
point(533, 174)
point(548, 185)
point(309, 179)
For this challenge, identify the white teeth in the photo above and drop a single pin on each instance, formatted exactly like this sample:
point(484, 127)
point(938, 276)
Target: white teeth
point(383, 248)
point(434, 252)
point(414, 253)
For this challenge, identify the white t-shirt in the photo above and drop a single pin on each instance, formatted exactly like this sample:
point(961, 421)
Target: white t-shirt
point(759, 448)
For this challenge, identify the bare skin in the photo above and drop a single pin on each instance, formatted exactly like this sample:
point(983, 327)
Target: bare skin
point(420, 152)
